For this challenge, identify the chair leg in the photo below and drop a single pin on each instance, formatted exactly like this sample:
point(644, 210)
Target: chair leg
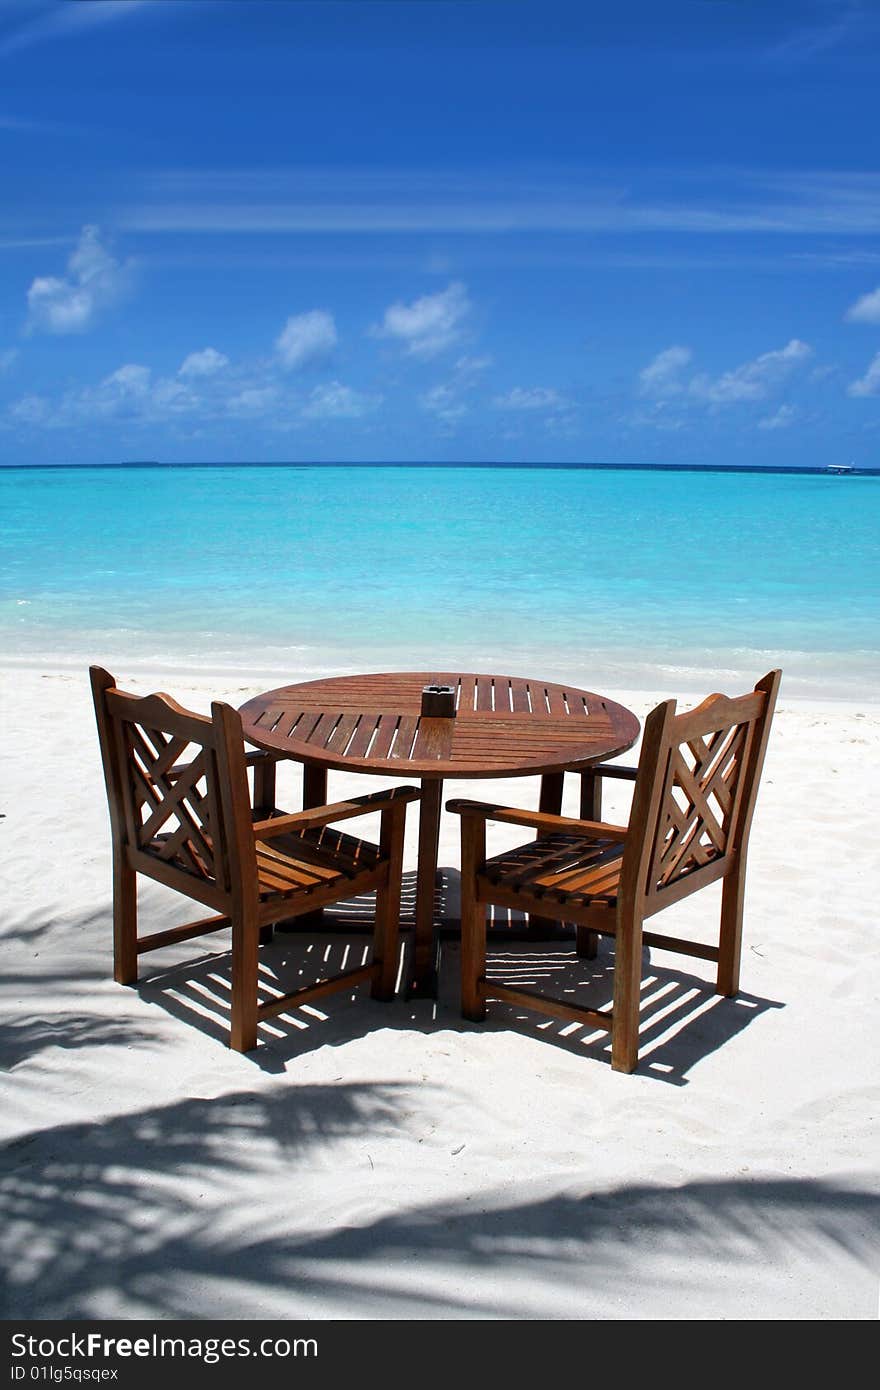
point(473, 919)
point(386, 936)
point(627, 993)
point(730, 940)
point(473, 955)
point(386, 939)
point(125, 952)
point(587, 943)
point(245, 954)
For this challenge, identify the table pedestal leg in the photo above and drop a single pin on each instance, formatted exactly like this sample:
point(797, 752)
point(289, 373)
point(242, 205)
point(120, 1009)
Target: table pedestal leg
point(550, 803)
point(314, 786)
point(423, 972)
point(264, 786)
point(314, 794)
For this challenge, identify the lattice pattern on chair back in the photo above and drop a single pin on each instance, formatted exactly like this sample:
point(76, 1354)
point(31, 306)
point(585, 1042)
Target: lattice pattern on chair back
point(708, 769)
point(170, 785)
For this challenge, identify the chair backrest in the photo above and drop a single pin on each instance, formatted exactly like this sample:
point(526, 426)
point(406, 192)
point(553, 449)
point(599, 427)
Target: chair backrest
point(695, 793)
point(177, 790)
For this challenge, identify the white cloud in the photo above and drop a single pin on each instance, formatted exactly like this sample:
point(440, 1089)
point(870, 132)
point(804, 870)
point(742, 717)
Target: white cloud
point(754, 380)
point(69, 304)
point(531, 398)
point(333, 401)
point(124, 394)
point(430, 324)
point(661, 377)
point(780, 420)
point(866, 309)
point(130, 380)
point(306, 338)
point(205, 363)
point(869, 384)
point(664, 377)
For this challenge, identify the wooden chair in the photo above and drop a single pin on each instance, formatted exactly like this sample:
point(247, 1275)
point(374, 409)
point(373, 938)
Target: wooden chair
point(181, 813)
point(693, 800)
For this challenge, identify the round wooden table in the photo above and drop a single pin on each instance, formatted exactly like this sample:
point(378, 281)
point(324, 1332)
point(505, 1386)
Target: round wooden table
point(504, 726)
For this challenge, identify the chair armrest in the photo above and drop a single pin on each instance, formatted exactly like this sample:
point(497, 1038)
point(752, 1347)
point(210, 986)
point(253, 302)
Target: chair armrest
point(540, 820)
point(341, 810)
point(624, 774)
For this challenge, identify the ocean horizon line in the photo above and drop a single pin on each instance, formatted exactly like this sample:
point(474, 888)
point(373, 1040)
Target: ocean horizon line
point(812, 470)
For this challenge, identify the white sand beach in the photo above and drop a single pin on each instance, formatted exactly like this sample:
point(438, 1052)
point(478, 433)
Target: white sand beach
point(377, 1161)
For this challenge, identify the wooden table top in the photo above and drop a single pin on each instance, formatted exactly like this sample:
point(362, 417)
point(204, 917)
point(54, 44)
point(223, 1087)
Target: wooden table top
point(504, 726)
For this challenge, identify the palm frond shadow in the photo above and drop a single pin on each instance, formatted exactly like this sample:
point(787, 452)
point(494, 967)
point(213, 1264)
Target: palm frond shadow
point(69, 953)
point(138, 1210)
point(84, 1206)
point(25, 1038)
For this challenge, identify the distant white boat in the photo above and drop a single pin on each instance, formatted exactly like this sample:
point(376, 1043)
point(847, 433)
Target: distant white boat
point(840, 468)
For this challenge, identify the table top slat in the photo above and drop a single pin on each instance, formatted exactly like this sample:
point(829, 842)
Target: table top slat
point(363, 734)
point(406, 734)
point(504, 724)
point(386, 728)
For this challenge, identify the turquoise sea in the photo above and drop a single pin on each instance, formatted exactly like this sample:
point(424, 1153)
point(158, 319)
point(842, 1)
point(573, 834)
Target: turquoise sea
point(646, 579)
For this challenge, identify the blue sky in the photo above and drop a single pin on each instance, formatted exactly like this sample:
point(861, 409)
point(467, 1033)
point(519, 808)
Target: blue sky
point(423, 231)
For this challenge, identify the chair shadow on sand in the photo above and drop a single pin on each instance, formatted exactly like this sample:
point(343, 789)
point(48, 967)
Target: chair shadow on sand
point(682, 1019)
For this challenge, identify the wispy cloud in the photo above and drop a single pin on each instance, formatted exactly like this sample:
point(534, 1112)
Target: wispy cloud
point(31, 410)
point(752, 381)
point(709, 201)
point(205, 363)
point(208, 387)
point(443, 402)
point(781, 419)
point(306, 339)
point(252, 402)
point(24, 243)
point(662, 376)
point(675, 394)
point(333, 401)
point(532, 398)
point(25, 126)
point(428, 325)
point(840, 23)
point(65, 21)
point(70, 304)
point(447, 400)
point(866, 309)
point(869, 384)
